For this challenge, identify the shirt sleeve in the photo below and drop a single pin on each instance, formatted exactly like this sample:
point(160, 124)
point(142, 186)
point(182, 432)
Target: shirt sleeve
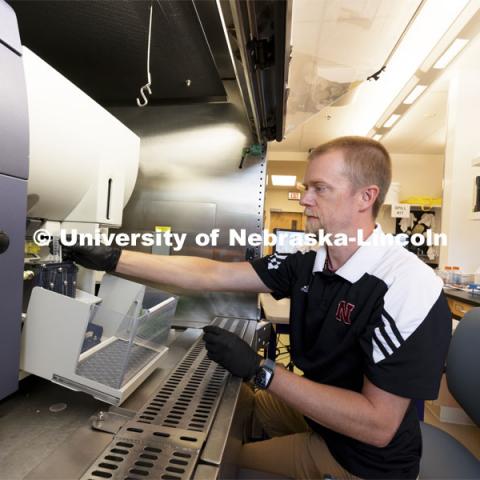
point(406, 344)
point(278, 272)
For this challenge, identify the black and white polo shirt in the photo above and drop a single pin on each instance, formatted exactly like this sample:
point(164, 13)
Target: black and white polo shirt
point(381, 315)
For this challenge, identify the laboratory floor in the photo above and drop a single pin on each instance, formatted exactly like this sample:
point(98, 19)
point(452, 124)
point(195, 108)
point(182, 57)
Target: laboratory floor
point(36, 420)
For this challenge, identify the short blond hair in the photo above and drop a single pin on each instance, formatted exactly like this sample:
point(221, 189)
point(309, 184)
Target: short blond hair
point(367, 162)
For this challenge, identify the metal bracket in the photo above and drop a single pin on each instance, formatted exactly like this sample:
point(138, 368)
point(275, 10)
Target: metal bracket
point(262, 52)
point(113, 420)
point(262, 335)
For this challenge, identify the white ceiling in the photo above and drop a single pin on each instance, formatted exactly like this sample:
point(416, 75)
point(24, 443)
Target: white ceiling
point(421, 130)
point(337, 44)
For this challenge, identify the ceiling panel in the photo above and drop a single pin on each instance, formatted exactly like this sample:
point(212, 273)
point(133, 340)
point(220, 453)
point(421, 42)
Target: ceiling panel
point(336, 45)
point(419, 131)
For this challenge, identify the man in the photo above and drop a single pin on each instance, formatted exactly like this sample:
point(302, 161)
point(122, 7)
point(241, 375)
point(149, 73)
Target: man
point(370, 328)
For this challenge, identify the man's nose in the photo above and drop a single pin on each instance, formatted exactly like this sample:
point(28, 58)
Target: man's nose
point(306, 199)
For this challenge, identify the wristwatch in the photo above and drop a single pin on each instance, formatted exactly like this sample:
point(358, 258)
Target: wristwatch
point(264, 375)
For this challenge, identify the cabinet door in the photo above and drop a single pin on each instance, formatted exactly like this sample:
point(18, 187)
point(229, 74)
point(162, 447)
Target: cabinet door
point(13, 204)
point(458, 308)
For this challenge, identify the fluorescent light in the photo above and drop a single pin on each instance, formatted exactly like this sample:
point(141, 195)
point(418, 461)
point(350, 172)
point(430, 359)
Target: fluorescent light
point(377, 137)
point(414, 94)
point(434, 19)
point(393, 118)
point(452, 51)
point(284, 180)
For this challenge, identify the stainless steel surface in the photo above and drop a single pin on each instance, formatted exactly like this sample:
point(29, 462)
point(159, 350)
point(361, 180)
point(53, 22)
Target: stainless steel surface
point(190, 180)
point(225, 436)
point(157, 452)
point(232, 20)
point(262, 335)
point(31, 430)
point(113, 420)
point(176, 352)
point(206, 472)
point(260, 39)
point(181, 414)
point(71, 458)
point(80, 387)
point(190, 395)
point(86, 451)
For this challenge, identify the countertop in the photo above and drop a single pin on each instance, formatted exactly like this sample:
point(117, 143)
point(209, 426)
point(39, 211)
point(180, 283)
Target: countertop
point(276, 311)
point(470, 298)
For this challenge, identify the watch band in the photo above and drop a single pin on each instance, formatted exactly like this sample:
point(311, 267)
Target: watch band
point(269, 363)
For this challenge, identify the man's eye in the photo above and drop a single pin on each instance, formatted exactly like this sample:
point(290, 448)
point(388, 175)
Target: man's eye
point(320, 188)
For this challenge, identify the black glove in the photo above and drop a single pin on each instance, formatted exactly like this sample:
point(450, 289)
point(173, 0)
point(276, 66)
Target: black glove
point(101, 258)
point(231, 352)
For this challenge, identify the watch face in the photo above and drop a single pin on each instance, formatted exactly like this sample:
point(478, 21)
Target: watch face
point(262, 380)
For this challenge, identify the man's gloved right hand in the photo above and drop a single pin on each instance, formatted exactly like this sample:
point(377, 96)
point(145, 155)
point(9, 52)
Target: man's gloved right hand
point(100, 257)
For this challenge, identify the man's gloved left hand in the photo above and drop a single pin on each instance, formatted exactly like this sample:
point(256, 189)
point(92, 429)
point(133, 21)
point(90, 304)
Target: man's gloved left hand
point(231, 352)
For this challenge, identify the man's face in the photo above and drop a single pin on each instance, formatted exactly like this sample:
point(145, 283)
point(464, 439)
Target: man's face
point(329, 198)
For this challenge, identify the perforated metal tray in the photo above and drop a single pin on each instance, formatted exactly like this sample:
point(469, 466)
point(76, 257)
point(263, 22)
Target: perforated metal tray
point(175, 421)
point(106, 365)
point(150, 451)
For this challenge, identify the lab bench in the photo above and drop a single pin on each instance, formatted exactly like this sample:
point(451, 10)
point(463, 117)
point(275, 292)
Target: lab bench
point(185, 421)
point(461, 302)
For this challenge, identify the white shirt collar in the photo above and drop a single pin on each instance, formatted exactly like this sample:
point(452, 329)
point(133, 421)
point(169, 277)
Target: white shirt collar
point(360, 262)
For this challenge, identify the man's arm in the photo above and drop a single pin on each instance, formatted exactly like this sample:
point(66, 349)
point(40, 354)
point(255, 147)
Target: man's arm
point(372, 416)
point(193, 273)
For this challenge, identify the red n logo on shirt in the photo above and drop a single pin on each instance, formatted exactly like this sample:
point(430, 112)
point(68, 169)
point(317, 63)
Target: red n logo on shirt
point(344, 310)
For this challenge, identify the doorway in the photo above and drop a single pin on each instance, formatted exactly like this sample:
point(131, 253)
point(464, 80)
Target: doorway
point(287, 221)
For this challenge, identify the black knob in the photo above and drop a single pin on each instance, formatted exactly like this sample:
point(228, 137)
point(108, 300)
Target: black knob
point(4, 241)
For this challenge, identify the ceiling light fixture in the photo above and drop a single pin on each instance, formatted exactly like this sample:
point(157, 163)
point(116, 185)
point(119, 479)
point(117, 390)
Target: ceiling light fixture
point(410, 72)
point(393, 118)
point(452, 51)
point(414, 94)
point(284, 180)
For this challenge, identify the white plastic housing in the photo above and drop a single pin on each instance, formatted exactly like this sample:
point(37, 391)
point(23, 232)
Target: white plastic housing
point(80, 154)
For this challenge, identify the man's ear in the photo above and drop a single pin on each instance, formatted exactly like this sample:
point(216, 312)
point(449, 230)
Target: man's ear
point(368, 195)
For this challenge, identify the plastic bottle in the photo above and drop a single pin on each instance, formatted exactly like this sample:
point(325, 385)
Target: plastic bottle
point(477, 276)
point(448, 275)
point(456, 275)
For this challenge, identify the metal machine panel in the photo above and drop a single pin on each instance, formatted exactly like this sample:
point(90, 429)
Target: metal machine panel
point(13, 196)
point(9, 29)
point(13, 204)
point(192, 155)
point(13, 113)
